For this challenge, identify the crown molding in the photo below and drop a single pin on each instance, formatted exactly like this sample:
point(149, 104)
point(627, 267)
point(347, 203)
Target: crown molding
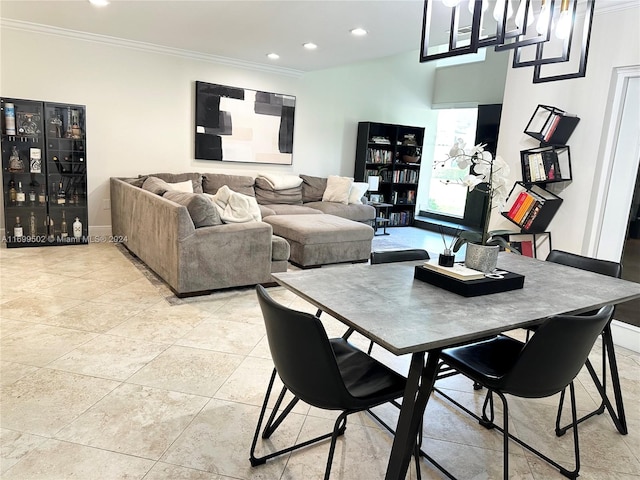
point(608, 6)
point(146, 47)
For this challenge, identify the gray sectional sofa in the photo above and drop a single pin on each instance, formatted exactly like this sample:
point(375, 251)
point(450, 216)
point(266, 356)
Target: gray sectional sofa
point(179, 238)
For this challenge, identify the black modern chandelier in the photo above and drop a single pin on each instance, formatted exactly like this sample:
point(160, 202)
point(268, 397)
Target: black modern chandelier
point(541, 33)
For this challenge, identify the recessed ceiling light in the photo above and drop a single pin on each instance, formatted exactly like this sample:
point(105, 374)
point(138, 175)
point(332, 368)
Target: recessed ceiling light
point(310, 46)
point(358, 32)
point(273, 56)
point(99, 3)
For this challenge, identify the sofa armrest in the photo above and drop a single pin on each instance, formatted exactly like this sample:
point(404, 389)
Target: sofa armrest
point(223, 256)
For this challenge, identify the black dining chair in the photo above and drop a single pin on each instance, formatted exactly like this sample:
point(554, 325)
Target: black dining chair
point(545, 365)
point(389, 256)
point(330, 374)
point(612, 269)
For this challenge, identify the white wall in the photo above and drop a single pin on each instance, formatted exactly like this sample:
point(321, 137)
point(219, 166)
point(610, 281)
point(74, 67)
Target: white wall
point(140, 105)
point(615, 42)
point(473, 84)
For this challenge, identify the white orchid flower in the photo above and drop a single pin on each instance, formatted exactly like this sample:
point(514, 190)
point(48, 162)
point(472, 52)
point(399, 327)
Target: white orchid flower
point(470, 181)
point(482, 168)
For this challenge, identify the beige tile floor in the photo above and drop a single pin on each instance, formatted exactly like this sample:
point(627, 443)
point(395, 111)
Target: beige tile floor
point(106, 375)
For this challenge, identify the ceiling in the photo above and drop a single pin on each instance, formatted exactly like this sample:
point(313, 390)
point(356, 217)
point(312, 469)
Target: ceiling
point(244, 30)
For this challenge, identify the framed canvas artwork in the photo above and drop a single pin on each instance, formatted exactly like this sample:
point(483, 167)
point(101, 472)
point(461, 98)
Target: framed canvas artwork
point(242, 125)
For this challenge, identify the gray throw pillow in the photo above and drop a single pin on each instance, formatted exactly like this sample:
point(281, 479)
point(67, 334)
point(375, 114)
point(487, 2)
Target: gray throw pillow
point(266, 195)
point(211, 182)
point(196, 179)
point(313, 188)
point(202, 211)
point(156, 185)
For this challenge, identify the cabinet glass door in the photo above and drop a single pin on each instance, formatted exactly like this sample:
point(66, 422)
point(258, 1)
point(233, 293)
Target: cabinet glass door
point(67, 172)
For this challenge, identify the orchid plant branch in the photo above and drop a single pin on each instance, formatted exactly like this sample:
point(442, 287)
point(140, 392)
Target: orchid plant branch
point(491, 176)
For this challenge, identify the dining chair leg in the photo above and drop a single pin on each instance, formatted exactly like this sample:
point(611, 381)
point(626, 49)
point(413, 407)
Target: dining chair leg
point(609, 363)
point(505, 432)
point(339, 427)
point(487, 421)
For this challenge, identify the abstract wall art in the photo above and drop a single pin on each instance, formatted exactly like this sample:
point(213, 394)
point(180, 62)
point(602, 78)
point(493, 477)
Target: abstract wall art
point(241, 125)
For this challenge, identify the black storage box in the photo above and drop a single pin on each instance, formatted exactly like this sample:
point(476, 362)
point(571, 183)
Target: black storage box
point(470, 288)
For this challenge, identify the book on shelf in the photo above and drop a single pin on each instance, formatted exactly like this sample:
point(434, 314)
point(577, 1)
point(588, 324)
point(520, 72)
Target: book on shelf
point(517, 203)
point(375, 155)
point(458, 270)
point(524, 208)
point(528, 221)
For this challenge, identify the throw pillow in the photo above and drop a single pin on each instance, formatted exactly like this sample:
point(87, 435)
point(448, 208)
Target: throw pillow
point(313, 188)
point(338, 189)
point(211, 182)
point(195, 178)
point(186, 186)
point(266, 194)
point(358, 189)
point(202, 211)
point(156, 185)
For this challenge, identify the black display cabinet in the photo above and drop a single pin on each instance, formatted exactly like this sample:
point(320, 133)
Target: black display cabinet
point(44, 173)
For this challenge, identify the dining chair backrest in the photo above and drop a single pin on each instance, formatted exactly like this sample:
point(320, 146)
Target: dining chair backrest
point(390, 256)
point(604, 267)
point(555, 354)
point(302, 354)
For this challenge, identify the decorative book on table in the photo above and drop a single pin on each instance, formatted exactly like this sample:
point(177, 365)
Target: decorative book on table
point(458, 270)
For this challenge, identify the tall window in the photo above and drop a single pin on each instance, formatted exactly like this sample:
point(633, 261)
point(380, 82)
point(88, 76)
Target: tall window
point(450, 199)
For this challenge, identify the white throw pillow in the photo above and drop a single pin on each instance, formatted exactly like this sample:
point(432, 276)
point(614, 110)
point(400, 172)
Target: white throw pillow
point(338, 189)
point(358, 189)
point(186, 186)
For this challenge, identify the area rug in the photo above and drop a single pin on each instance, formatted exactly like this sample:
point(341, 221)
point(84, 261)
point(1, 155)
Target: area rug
point(150, 275)
point(379, 243)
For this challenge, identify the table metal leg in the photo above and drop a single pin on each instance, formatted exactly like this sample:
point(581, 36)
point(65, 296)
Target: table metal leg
point(420, 382)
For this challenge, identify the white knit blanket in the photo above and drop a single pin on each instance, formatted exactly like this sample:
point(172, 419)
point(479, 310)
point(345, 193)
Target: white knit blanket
point(281, 182)
point(235, 207)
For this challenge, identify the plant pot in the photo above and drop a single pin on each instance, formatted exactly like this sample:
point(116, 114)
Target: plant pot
point(481, 257)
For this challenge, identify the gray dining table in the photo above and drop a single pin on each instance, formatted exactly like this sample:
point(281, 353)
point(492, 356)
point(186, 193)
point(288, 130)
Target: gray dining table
point(409, 316)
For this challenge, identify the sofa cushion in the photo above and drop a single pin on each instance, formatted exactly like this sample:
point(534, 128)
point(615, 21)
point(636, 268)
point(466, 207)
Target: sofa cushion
point(358, 213)
point(202, 211)
point(338, 189)
point(358, 189)
point(196, 179)
point(265, 211)
point(283, 209)
point(211, 182)
point(313, 188)
point(323, 229)
point(280, 249)
point(266, 194)
point(281, 181)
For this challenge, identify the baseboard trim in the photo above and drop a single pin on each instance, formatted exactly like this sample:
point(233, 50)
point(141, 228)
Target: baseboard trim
point(626, 336)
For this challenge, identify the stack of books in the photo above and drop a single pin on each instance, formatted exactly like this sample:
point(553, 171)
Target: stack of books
point(458, 270)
